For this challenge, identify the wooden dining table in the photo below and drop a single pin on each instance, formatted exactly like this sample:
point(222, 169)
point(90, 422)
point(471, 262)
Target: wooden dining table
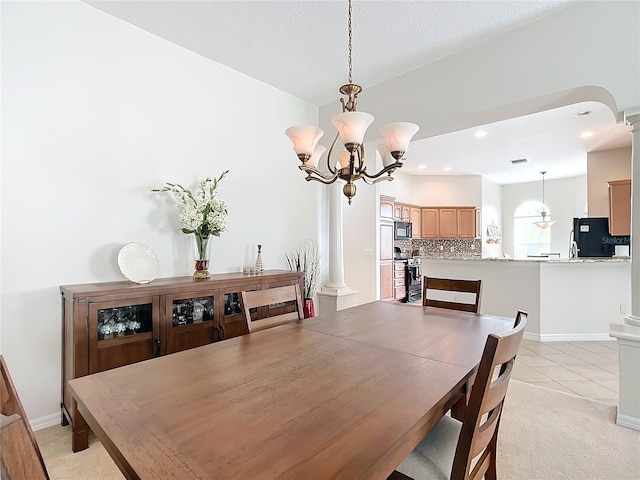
point(345, 395)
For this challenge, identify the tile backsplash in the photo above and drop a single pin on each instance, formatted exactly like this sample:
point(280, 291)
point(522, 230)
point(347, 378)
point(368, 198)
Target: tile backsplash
point(439, 248)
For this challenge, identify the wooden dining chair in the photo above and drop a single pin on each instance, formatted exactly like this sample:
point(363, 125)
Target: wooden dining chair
point(454, 286)
point(451, 446)
point(270, 296)
point(20, 456)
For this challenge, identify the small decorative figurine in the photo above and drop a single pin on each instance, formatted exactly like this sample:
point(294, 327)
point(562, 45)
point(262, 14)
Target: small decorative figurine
point(259, 268)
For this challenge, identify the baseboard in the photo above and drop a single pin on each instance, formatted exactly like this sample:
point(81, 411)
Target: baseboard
point(568, 337)
point(627, 421)
point(47, 421)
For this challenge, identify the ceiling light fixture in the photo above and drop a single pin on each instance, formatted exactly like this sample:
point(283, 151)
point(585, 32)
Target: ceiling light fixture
point(422, 167)
point(586, 134)
point(481, 134)
point(447, 169)
point(583, 113)
point(351, 126)
point(544, 223)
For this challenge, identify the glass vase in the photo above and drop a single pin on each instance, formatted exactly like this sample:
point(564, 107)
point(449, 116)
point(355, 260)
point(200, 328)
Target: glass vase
point(202, 249)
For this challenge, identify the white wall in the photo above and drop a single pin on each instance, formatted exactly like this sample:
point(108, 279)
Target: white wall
point(565, 199)
point(591, 43)
point(447, 190)
point(95, 113)
point(491, 214)
point(582, 299)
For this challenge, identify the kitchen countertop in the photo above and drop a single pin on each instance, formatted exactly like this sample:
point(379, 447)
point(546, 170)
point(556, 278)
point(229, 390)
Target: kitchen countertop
point(533, 260)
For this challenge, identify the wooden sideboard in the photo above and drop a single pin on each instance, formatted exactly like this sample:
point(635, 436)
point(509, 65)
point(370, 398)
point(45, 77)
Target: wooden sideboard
point(108, 325)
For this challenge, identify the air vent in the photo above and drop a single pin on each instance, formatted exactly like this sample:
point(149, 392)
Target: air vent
point(520, 160)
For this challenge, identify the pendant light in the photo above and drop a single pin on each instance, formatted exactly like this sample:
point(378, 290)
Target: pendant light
point(544, 223)
point(348, 164)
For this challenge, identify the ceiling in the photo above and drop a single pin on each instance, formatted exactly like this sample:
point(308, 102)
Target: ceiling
point(300, 47)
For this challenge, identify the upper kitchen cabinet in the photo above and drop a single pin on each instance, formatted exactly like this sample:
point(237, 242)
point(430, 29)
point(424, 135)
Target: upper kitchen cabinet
point(429, 223)
point(402, 212)
point(450, 222)
point(468, 222)
point(415, 217)
point(386, 207)
point(620, 207)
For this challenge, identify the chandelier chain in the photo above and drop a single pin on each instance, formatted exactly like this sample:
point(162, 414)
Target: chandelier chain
point(350, 64)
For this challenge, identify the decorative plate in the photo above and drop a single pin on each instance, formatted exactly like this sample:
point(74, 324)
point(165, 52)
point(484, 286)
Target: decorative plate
point(138, 262)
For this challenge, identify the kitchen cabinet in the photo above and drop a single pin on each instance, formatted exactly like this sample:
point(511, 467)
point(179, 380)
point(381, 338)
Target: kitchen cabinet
point(450, 222)
point(415, 217)
point(429, 223)
point(386, 207)
point(620, 207)
point(402, 212)
point(386, 260)
point(468, 224)
point(109, 325)
point(399, 285)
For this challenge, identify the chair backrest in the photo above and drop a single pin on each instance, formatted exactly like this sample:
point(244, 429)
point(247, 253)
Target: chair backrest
point(479, 433)
point(451, 285)
point(20, 455)
point(271, 296)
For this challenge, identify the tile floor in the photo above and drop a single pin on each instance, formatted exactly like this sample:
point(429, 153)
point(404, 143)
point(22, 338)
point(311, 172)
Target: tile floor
point(588, 369)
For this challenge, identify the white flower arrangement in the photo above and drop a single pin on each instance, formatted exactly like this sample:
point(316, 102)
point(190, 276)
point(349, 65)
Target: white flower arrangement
point(201, 213)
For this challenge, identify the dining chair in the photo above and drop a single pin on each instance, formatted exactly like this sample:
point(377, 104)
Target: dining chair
point(271, 296)
point(20, 456)
point(467, 450)
point(451, 285)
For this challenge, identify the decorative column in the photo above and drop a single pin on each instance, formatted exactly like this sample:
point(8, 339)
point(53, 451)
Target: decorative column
point(628, 333)
point(335, 295)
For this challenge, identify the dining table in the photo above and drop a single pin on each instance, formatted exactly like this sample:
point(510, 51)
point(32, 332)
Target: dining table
point(344, 395)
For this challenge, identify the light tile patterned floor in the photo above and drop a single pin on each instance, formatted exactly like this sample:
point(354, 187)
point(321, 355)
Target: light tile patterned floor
point(588, 369)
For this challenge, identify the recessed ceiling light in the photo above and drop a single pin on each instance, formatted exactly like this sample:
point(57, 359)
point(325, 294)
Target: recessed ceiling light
point(583, 113)
point(586, 134)
point(481, 134)
point(422, 167)
point(519, 160)
point(447, 169)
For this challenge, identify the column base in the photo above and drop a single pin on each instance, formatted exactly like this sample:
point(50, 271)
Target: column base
point(632, 320)
point(331, 299)
point(628, 337)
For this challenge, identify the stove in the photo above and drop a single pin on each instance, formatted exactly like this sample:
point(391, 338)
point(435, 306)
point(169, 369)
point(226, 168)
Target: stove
point(413, 280)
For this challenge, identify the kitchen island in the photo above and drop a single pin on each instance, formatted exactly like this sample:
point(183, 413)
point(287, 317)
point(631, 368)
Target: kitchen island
point(567, 299)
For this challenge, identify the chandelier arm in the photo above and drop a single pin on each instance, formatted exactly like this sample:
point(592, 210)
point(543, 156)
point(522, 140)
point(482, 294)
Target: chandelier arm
point(325, 180)
point(311, 171)
point(388, 169)
point(377, 180)
point(332, 169)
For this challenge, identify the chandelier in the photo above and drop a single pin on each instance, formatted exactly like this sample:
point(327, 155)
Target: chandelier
point(348, 164)
point(544, 223)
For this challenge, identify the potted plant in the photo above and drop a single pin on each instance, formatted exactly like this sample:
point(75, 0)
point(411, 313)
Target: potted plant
point(307, 259)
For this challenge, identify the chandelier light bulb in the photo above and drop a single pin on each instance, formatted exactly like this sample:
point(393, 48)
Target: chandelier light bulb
point(304, 139)
point(343, 158)
point(397, 135)
point(351, 127)
point(315, 157)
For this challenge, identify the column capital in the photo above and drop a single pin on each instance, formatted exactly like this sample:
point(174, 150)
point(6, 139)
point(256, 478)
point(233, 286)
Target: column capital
point(632, 116)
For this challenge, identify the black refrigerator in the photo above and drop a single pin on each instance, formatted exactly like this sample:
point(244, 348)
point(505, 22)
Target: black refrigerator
point(593, 239)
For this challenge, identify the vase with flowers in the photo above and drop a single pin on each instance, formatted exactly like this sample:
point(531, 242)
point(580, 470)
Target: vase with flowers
point(307, 259)
point(201, 214)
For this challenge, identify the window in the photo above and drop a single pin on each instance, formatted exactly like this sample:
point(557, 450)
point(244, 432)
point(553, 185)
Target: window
point(529, 239)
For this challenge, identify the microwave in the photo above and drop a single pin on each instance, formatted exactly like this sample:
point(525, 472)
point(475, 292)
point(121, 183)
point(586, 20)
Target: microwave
point(401, 230)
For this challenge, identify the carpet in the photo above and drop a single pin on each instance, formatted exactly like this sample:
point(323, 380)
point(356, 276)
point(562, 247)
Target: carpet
point(544, 435)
